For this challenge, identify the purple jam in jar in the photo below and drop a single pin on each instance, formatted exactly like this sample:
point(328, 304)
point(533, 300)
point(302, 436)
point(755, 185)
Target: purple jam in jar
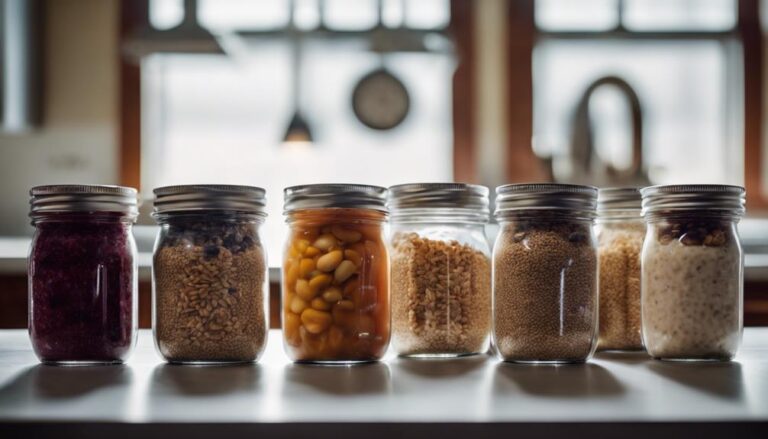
point(83, 274)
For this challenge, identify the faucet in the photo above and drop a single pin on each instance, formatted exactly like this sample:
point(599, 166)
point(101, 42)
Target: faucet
point(586, 166)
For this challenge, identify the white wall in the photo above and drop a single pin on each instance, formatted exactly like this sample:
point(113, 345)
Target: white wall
point(78, 140)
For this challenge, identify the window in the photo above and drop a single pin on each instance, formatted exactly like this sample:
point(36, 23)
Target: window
point(594, 15)
point(682, 63)
point(222, 118)
point(576, 15)
point(705, 15)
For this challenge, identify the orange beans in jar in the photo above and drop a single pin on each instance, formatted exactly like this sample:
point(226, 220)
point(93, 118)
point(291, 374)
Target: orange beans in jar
point(335, 274)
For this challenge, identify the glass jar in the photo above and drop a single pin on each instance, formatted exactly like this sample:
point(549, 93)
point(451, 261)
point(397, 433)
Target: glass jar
point(692, 272)
point(620, 233)
point(335, 274)
point(210, 275)
point(441, 269)
point(82, 274)
point(545, 273)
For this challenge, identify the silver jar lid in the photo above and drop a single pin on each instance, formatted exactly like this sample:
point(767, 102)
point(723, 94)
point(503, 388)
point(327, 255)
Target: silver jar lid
point(320, 196)
point(576, 199)
point(439, 196)
point(209, 197)
point(618, 198)
point(68, 198)
point(687, 197)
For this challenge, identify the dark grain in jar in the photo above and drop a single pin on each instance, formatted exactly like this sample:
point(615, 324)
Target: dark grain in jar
point(545, 298)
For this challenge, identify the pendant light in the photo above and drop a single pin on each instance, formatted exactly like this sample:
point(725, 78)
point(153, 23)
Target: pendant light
point(298, 132)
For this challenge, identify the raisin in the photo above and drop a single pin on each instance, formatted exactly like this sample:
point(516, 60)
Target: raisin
point(210, 251)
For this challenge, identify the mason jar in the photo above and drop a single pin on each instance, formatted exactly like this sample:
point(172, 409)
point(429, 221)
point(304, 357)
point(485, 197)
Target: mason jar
point(82, 272)
point(210, 276)
point(545, 273)
point(620, 233)
point(335, 274)
point(692, 272)
point(441, 269)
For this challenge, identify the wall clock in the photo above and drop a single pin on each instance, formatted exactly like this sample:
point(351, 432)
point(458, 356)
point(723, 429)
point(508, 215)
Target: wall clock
point(380, 100)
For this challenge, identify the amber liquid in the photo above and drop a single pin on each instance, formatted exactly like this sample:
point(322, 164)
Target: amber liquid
point(320, 327)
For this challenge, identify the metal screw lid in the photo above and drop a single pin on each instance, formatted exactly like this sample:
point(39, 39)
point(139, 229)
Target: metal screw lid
point(619, 198)
point(209, 197)
point(68, 198)
point(688, 197)
point(320, 196)
point(439, 196)
point(576, 199)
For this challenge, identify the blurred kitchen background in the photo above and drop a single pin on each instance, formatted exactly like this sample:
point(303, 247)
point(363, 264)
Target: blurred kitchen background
point(274, 93)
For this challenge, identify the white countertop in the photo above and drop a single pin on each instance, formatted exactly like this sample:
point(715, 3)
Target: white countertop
point(277, 395)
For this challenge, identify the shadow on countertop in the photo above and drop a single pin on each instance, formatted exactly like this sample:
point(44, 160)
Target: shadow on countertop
point(207, 380)
point(720, 379)
point(440, 368)
point(368, 378)
point(41, 383)
point(629, 357)
point(569, 381)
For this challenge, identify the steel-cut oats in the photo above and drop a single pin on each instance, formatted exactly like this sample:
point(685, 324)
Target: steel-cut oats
point(619, 256)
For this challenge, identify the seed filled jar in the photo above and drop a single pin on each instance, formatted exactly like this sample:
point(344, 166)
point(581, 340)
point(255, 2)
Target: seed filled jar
point(82, 274)
point(692, 272)
point(335, 274)
point(441, 269)
point(209, 274)
point(620, 233)
point(545, 273)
